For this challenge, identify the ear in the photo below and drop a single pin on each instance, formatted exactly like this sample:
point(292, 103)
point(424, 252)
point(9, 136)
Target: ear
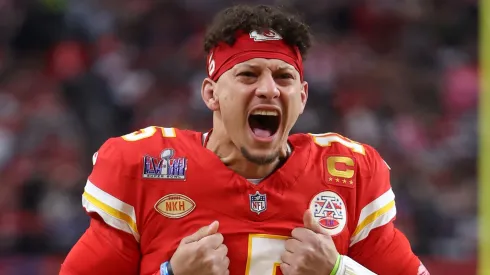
point(304, 95)
point(208, 94)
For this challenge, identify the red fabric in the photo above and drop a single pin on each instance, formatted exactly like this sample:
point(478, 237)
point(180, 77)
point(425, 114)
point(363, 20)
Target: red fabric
point(307, 180)
point(267, 44)
point(103, 250)
point(386, 251)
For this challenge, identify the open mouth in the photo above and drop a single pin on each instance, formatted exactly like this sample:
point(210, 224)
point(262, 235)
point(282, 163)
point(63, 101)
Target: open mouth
point(264, 123)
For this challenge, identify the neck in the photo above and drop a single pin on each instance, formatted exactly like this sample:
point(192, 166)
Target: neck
point(223, 147)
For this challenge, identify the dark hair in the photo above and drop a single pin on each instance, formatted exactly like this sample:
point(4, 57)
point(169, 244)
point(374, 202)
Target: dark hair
point(247, 18)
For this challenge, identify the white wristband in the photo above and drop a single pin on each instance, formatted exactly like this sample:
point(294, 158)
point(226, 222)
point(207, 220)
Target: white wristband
point(350, 267)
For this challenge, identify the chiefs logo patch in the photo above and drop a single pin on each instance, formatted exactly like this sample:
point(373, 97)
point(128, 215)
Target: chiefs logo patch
point(265, 35)
point(329, 211)
point(175, 206)
point(340, 170)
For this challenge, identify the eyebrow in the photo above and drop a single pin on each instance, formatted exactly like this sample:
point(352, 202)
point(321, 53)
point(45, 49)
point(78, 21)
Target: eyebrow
point(250, 66)
point(285, 67)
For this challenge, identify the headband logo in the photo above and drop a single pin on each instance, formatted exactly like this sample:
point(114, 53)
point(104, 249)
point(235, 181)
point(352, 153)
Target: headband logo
point(265, 35)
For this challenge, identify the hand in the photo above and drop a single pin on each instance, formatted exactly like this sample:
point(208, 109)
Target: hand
point(201, 253)
point(311, 250)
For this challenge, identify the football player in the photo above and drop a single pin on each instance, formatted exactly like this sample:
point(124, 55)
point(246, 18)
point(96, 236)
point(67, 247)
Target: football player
point(245, 197)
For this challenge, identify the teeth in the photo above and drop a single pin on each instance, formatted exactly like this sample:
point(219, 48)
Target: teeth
point(265, 112)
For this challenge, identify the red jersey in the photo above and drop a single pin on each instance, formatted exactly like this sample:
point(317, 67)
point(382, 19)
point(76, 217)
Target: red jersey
point(151, 188)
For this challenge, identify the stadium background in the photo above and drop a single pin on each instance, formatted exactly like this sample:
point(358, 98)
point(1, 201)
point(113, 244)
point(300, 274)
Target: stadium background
point(399, 75)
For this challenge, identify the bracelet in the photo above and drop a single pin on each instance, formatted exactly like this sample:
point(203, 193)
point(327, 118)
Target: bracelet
point(169, 269)
point(163, 268)
point(336, 266)
point(166, 269)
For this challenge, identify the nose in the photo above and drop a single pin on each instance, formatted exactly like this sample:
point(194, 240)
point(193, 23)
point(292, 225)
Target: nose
point(267, 88)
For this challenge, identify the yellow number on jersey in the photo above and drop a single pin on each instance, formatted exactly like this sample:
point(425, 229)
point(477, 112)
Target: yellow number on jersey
point(264, 254)
point(148, 132)
point(327, 139)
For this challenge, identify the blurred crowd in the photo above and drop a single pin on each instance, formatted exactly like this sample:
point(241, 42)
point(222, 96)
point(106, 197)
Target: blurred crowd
point(400, 75)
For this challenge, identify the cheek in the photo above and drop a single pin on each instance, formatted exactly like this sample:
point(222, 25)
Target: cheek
point(231, 110)
point(294, 109)
point(226, 104)
point(233, 102)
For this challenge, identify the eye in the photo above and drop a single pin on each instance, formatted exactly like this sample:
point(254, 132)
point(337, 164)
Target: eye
point(286, 76)
point(247, 74)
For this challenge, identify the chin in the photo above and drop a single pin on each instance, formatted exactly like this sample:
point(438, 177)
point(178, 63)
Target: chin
point(260, 156)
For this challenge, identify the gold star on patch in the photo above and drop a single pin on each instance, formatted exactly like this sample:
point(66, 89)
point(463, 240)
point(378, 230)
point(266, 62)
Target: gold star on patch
point(344, 181)
point(337, 180)
point(351, 182)
point(330, 179)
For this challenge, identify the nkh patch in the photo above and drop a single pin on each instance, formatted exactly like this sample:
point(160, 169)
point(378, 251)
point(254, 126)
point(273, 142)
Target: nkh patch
point(175, 206)
point(165, 166)
point(329, 211)
point(258, 202)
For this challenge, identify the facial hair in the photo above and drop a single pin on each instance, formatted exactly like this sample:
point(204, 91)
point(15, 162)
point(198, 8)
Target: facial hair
point(260, 160)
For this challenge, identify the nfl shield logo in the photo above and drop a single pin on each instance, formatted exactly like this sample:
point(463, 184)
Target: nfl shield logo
point(258, 202)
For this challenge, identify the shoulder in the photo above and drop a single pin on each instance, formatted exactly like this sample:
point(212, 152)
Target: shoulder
point(128, 149)
point(334, 144)
point(156, 136)
point(121, 160)
point(112, 187)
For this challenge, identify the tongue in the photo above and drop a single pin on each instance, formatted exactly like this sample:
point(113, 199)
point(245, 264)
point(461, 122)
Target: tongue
point(263, 133)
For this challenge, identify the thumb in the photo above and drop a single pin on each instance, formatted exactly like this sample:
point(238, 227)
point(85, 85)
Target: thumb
point(202, 232)
point(310, 223)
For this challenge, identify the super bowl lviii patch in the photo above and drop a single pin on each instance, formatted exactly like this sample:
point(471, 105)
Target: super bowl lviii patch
point(166, 166)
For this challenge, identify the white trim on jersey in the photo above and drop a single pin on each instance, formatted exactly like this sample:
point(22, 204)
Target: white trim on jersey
point(113, 211)
point(204, 137)
point(376, 214)
point(169, 132)
point(350, 267)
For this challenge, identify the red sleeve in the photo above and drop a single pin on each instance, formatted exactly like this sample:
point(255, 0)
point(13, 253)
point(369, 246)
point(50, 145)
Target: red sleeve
point(110, 191)
point(102, 250)
point(376, 243)
point(111, 243)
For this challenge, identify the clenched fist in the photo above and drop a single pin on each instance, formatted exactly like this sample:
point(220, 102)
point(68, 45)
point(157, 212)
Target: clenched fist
point(201, 253)
point(310, 251)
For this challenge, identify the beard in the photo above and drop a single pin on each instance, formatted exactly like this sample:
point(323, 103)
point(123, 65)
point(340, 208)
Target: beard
point(260, 160)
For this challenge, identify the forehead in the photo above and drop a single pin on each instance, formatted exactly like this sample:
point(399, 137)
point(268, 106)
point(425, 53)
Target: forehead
point(262, 63)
